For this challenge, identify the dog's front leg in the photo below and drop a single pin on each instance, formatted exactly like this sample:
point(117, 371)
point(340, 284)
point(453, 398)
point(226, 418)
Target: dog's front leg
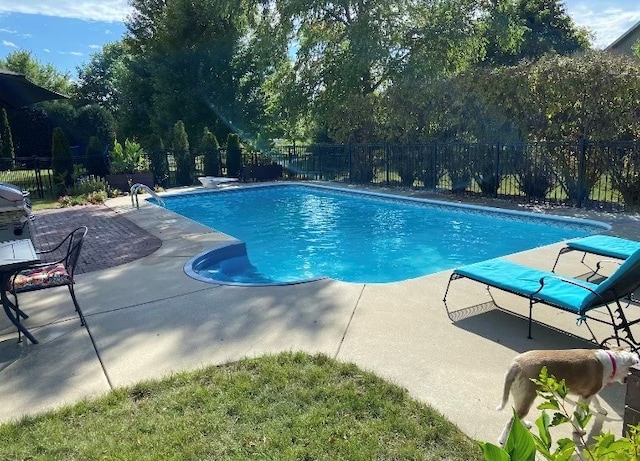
point(599, 408)
point(507, 428)
point(579, 412)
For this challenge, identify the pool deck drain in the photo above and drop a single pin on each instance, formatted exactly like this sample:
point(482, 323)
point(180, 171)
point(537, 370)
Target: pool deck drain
point(149, 319)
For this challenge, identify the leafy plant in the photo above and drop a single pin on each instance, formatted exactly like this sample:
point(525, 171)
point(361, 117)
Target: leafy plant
point(128, 159)
point(522, 445)
point(88, 184)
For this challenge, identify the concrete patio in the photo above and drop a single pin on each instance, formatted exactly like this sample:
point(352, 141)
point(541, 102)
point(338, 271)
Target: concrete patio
point(147, 319)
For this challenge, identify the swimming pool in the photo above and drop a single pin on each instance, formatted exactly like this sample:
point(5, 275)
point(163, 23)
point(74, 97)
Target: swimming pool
point(294, 232)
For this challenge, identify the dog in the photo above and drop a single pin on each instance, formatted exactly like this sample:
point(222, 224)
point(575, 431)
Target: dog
point(585, 372)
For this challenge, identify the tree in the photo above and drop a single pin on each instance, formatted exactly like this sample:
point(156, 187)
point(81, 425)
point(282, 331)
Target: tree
point(549, 29)
point(234, 156)
point(529, 29)
point(199, 63)
point(6, 149)
point(45, 75)
point(99, 80)
point(211, 150)
point(181, 154)
point(94, 120)
point(352, 52)
point(61, 160)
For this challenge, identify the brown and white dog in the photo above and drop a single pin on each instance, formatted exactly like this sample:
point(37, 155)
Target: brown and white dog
point(585, 371)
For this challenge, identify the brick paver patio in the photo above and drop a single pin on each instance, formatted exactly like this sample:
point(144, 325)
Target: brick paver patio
point(112, 239)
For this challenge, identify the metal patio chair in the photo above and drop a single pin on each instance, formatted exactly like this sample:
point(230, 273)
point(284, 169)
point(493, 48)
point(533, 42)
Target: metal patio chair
point(57, 273)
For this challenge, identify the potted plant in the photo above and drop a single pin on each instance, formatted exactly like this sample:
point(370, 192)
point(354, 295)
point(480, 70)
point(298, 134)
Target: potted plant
point(128, 165)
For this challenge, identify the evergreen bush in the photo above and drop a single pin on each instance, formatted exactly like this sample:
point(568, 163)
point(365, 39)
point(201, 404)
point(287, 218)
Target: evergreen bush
point(61, 160)
point(158, 158)
point(6, 151)
point(184, 161)
point(211, 151)
point(234, 155)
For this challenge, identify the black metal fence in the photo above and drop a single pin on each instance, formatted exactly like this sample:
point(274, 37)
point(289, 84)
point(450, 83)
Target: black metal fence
point(584, 174)
point(595, 175)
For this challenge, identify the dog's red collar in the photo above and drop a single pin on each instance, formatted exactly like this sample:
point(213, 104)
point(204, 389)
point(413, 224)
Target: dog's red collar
point(614, 366)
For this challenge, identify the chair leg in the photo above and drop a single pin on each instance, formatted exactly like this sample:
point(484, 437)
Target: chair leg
point(16, 309)
point(75, 303)
point(530, 318)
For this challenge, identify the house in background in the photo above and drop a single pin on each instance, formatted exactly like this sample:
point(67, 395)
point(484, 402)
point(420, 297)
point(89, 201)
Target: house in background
point(624, 43)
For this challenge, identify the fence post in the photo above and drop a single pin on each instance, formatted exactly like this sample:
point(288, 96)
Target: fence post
point(581, 166)
point(434, 165)
point(348, 146)
point(38, 174)
point(497, 171)
point(386, 161)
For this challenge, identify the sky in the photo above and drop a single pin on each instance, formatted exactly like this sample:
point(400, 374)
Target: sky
point(65, 33)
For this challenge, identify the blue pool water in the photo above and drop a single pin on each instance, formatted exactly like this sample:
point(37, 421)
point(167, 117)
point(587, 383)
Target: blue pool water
point(297, 232)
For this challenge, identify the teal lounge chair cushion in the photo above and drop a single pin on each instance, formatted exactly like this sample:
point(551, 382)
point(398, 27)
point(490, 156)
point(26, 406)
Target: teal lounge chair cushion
point(623, 281)
point(605, 245)
point(574, 297)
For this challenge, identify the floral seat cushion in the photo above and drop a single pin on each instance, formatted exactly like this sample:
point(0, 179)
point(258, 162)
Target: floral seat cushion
point(41, 277)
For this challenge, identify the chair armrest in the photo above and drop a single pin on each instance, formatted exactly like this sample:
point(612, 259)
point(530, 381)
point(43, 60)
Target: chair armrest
point(564, 280)
point(57, 247)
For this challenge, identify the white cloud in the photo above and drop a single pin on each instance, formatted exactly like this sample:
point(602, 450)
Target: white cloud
point(91, 10)
point(9, 44)
point(72, 53)
point(606, 23)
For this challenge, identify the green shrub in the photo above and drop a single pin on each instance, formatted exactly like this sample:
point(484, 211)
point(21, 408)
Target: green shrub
point(184, 161)
point(158, 158)
point(6, 151)
point(96, 197)
point(234, 155)
point(211, 151)
point(61, 160)
point(484, 171)
point(128, 159)
point(88, 184)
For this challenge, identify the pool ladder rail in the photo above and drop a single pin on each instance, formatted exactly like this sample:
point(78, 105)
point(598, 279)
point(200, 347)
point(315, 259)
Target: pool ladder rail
point(143, 187)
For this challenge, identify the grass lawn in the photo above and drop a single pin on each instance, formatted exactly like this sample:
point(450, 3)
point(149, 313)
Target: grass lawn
point(290, 406)
point(38, 204)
